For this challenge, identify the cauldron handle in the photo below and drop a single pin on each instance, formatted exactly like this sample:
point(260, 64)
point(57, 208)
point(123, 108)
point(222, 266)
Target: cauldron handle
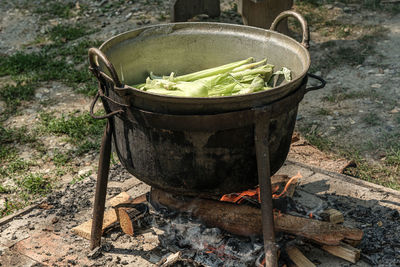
point(94, 55)
point(290, 13)
point(321, 85)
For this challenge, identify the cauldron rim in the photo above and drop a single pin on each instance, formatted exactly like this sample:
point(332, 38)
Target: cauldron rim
point(274, 93)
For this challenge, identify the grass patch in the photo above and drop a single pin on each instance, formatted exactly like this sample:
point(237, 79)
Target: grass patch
point(322, 143)
point(13, 135)
point(4, 189)
point(8, 137)
point(65, 63)
point(61, 159)
point(65, 33)
point(14, 94)
point(79, 178)
point(339, 94)
point(21, 62)
point(383, 174)
point(393, 157)
point(323, 112)
point(10, 207)
point(53, 9)
point(371, 119)
point(112, 5)
point(35, 184)
point(315, 138)
point(14, 166)
point(81, 130)
point(75, 127)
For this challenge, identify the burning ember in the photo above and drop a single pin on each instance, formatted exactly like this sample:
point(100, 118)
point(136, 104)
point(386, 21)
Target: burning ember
point(228, 231)
point(254, 194)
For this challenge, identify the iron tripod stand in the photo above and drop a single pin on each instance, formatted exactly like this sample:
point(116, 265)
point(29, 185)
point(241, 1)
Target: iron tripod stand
point(261, 132)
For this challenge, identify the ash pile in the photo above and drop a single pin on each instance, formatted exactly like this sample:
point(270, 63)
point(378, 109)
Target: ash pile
point(319, 229)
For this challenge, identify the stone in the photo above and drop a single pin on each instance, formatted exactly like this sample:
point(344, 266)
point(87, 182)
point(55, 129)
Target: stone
point(376, 85)
point(347, 9)
point(330, 77)
point(106, 247)
point(94, 254)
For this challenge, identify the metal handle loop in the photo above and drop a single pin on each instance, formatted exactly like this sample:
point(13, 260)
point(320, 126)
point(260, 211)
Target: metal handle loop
point(94, 55)
point(312, 88)
point(109, 115)
point(290, 13)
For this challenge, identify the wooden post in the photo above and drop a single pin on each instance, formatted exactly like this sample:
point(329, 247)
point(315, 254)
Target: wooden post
point(261, 13)
point(182, 10)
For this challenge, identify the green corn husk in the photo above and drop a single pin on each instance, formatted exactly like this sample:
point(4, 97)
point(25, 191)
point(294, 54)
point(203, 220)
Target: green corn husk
point(213, 71)
point(250, 65)
point(237, 78)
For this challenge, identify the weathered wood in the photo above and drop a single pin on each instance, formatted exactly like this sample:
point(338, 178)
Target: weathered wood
point(318, 231)
point(262, 13)
point(84, 229)
point(344, 251)
point(333, 216)
point(279, 178)
point(127, 213)
point(182, 10)
point(246, 221)
point(286, 184)
point(353, 243)
point(125, 221)
point(298, 257)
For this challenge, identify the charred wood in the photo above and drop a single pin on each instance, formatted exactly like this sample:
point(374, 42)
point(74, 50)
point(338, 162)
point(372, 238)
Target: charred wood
point(246, 220)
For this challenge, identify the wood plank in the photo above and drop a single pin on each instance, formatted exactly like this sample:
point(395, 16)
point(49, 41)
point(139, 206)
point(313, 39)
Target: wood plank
point(344, 251)
point(353, 243)
point(182, 10)
point(262, 13)
point(21, 212)
point(110, 217)
point(120, 198)
point(298, 257)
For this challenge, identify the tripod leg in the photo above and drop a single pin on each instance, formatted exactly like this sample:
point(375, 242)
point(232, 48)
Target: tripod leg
point(261, 134)
point(101, 187)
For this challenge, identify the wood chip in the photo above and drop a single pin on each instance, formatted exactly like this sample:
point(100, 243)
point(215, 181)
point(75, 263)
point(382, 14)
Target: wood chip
point(333, 216)
point(84, 230)
point(298, 257)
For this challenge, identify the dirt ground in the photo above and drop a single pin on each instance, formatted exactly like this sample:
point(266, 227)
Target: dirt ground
point(355, 46)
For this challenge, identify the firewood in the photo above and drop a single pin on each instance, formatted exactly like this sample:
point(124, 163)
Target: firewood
point(318, 231)
point(282, 180)
point(344, 251)
point(298, 257)
point(279, 178)
point(332, 215)
point(109, 219)
point(129, 212)
point(353, 243)
point(246, 220)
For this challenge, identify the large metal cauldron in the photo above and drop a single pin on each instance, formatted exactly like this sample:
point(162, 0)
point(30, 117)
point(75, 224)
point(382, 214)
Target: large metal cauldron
point(197, 146)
